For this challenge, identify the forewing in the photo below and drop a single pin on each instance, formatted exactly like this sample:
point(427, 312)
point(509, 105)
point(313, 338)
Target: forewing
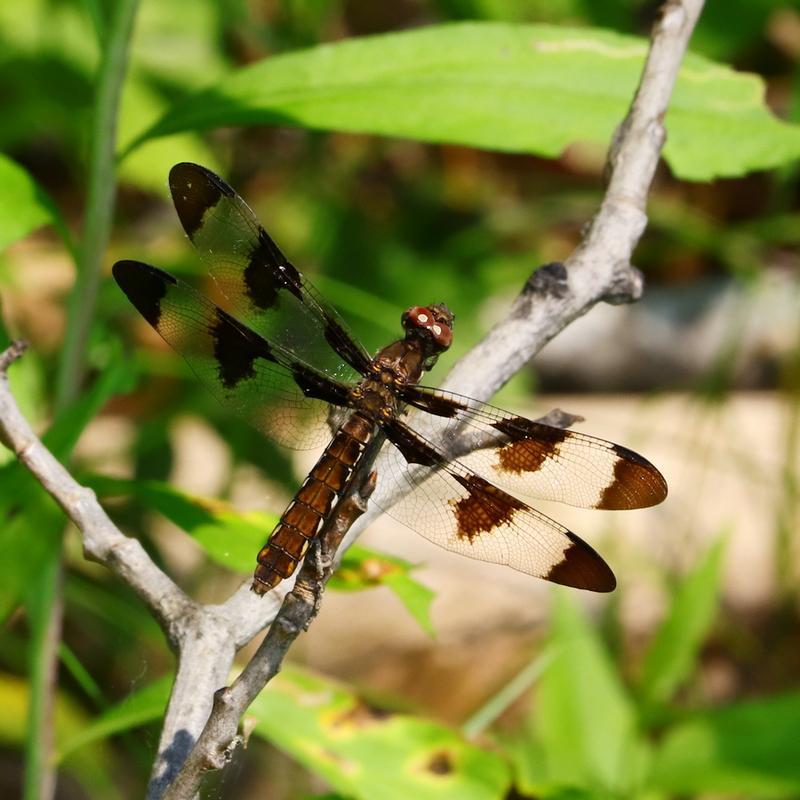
point(267, 386)
point(532, 460)
point(263, 288)
point(462, 512)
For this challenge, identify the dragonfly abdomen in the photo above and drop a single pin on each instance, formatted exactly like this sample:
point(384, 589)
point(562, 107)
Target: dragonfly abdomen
point(302, 520)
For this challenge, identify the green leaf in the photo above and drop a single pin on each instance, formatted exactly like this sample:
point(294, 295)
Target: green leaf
point(525, 88)
point(365, 752)
point(93, 768)
point(362, 568)
point(507, 694)
point(673, 653)
point(80, 674)
point(746, 749)
point(30, 539)
point(140, 707)
point(32, 523)
point(116, 378)
point(583, 717)
point(24, 206)
point(231, 538)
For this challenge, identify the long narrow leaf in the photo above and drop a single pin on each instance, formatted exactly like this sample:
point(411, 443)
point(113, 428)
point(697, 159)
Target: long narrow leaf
point(673, 653)
point(140, 707)
point(750, 750)
point(583, 716)
point(24, 206)
point(365, 752)
point(232, 538)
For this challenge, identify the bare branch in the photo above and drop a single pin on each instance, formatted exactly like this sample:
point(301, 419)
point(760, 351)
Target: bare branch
point(219, 738)
point(102, 540)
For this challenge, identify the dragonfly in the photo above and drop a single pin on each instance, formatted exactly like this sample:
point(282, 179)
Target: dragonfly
point(281, 357)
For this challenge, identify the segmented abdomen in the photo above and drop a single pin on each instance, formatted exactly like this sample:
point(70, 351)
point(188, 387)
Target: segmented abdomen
point(303, 518)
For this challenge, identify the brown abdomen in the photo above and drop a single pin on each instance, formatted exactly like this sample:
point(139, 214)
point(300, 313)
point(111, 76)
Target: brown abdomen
point(312, 504)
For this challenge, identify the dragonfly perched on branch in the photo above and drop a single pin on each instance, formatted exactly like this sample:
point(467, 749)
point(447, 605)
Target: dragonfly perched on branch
point(280, 356)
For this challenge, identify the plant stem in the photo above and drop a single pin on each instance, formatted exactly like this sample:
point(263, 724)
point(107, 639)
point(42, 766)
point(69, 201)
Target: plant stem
point(40, 776)
point(45, 609)
point(509, 694)
point(100, 201)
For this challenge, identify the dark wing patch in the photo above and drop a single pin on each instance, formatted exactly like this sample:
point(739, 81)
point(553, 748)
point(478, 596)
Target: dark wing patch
point(636, 481)
point(593, 574)
point(464, 513)
point(533, 460)
point(529, 452)
point(198, 190)
point(268, 387)
point(413, 448)
point(264, 290)
point(236, 349)
point(144, 288)
point(317, 386)
point(483, 509)
point(262, 285)
point(431, 400)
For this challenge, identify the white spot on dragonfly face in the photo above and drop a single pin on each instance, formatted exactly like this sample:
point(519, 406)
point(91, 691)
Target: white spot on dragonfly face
point(436, 329)
point(423, 318)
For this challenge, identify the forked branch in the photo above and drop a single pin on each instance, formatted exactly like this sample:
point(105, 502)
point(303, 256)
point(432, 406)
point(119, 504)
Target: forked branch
point(219, 738)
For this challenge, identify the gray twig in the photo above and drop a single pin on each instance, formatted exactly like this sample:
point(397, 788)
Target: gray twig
point(219, 738)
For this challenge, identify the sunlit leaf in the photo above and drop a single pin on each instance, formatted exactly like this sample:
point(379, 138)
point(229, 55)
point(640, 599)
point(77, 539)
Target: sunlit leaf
point(362, 568)
point(140, 707)
point(92, 768)
point(24, 206)
point(366, 752)
point(750, 749)
point(31, 521)
point(673, 653)
point(527, 88)
point(583, 716)
point(231, 538)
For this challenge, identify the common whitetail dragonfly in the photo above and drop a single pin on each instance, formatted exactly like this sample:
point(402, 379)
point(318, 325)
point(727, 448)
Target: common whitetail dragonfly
point(281, 357)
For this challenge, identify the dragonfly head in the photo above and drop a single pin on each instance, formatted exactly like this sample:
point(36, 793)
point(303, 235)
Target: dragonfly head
point(434, 324)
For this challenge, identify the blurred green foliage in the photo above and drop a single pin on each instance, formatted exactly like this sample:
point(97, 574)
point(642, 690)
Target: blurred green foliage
point(591, 732)
point(249, 89)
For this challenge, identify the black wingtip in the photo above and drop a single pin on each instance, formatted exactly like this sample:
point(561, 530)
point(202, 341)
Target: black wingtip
point(637, 483)
point(194, 190)
point(144, 285)
point(582, 567)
